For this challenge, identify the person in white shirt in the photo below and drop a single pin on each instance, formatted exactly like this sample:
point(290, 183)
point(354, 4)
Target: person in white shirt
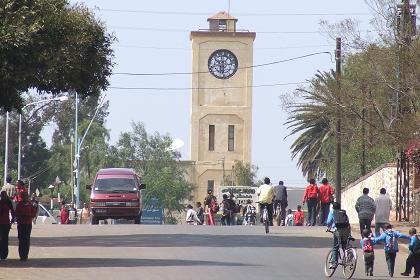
point(289, 221)
point(192, 218)
point(383, 205)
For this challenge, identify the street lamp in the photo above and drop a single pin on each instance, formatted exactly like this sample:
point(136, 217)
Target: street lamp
point(60, 99)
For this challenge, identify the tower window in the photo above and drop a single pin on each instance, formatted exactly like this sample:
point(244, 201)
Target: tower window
point(210, 185)
point(211, 137)
point(231, 138)
point(222, 25)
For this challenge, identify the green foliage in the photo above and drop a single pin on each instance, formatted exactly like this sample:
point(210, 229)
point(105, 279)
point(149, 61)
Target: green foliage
point(52, 47)
point(243, 174)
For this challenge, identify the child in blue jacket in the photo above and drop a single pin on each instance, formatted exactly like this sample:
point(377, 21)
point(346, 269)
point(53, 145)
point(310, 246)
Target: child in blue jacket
point(412, 260)
point(390, 238)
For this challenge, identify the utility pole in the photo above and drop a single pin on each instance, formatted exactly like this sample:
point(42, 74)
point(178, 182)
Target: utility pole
point(338, 124)
point(6, 148)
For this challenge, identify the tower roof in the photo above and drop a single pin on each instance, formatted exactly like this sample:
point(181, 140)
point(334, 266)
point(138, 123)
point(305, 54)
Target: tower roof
point(222, 15)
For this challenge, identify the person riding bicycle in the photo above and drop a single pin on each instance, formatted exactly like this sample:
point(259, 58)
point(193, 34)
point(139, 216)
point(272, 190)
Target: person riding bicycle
point(338, 223)
point(266, 196)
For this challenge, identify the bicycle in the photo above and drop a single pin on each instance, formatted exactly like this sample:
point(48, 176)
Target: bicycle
point(266, 221)
point(348, 260)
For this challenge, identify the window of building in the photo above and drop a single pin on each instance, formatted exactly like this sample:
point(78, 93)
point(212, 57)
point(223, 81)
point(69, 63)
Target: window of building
point(222, 25)
point(231, 138)
point(210, 185)
point(211, 137)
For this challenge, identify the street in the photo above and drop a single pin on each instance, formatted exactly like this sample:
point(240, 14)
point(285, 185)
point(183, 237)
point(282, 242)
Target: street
point(178, 252)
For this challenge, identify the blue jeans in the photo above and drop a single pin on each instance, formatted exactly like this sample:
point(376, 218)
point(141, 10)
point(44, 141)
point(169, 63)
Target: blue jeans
point(325, 210)
point(312, 204)
point(390, 261)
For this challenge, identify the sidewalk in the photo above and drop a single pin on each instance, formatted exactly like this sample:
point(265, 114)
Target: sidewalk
point(402, 227)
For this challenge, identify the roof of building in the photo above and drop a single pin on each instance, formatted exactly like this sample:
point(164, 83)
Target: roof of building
point(222, 15)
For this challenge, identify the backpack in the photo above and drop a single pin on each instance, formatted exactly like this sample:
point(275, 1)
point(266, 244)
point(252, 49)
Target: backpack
point(392, 243)
point(214, 206)
point(341, 220)
point(416, 248)
point(367, 246)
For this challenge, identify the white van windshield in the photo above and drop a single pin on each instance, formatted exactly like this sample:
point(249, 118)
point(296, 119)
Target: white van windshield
point(115, 184)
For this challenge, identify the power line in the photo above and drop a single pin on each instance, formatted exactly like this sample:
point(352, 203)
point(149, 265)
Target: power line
point(238, 14)
point(189, 49)
point(203, 72)
point(206, 88)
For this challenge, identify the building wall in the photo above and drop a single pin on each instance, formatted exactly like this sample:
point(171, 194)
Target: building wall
point(384, 176)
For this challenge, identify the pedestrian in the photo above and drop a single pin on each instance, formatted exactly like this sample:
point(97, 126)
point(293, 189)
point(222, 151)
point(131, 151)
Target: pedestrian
point(72, 214)
point(265, 195)
point(289, 220)
point(212, 207)
point(64, 213)
point(390, 239)
point(326, 192)
point(85, 214)
point(228, 206)
point(413, 259)
point(383, 206)
point(200, 212)
point(20, 189)
point(7, 215)
point(299, 216)
point(35, 203)
point(311, 197)
point(280, 199)
point(25, 212)
point(365, 207)
point(191, 218)
point(9, 188)
point(368, 252)
point(249, 213)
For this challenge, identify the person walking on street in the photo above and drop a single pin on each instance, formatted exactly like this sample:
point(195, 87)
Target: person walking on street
point(35, 203)
point(10, 189)
point(280, 192)
point(299, 216)
point(64, 213)
point(25, 212)
point(390, 238)
point(85, 214)
point(311, 197)
point(326, 193)
point(365, 208)
point(191, 217)
point(7, 215)
point(20, 189)
point(413, 259)
point(383, 205)
point(228, 205)
point(72, 214)
point(200, 212)
point(265, 194)
point(368, 251)
point(212, 207)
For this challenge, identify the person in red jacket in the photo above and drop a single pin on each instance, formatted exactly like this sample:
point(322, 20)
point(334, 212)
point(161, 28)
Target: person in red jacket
point(326, 198)
point(311, 197)
point(20, 189)
point(299, 216)
point(7, 215)
point(25, 212)
point(64, 213)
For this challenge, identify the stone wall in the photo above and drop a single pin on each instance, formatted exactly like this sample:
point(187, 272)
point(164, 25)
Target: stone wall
point(384, 176)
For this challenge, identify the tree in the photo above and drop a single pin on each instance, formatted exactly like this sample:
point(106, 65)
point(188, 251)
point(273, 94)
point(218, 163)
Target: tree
point(52, 47)
point(158, 166)
point(243, 174)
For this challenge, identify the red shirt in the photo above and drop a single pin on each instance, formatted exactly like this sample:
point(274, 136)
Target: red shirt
point(5, 208)
point(19, 191)
point(311, 191)
point(325, 193)
point(64, 215)
point(25, 212)
point(299, 218)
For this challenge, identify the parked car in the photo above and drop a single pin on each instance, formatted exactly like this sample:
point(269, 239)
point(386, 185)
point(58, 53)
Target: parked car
point(45, 216)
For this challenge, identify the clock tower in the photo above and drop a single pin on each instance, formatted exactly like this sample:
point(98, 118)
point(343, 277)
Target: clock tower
point(221, 103)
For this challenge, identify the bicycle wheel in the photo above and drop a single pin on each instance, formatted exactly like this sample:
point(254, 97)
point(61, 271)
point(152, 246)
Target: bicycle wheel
point(329, 271)
point(349, 263)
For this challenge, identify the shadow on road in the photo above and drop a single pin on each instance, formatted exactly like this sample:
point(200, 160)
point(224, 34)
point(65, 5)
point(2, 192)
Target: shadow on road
point(110, 262)
point(181, 240)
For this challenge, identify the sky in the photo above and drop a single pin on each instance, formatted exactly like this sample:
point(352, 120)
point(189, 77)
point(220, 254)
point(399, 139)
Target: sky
point(153, 37)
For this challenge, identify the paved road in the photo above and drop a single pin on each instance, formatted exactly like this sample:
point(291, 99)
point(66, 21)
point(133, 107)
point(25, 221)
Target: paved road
point(176, 252)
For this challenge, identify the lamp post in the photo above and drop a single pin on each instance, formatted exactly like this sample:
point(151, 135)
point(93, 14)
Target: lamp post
point(60, 99)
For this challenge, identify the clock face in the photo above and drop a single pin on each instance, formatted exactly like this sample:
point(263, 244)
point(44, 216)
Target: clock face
point(223, 64)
